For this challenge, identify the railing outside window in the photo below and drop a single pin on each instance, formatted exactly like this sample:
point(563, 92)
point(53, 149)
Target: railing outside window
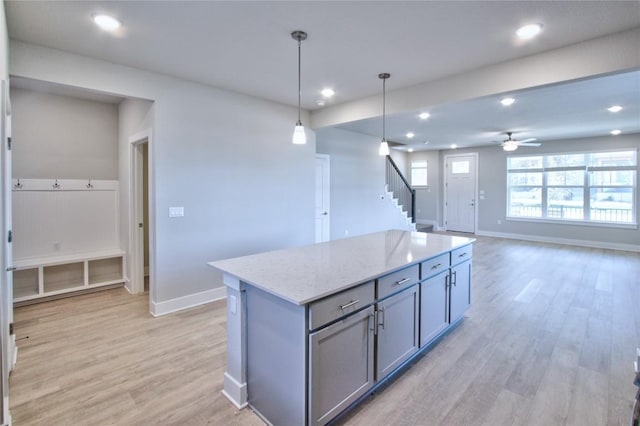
point(588, 187)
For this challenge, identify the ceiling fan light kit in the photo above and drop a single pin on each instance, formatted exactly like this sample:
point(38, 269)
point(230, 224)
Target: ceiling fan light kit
point(511, 144)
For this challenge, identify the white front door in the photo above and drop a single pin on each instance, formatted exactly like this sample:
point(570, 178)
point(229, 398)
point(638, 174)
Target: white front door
point(460, 192)
point(322, 198)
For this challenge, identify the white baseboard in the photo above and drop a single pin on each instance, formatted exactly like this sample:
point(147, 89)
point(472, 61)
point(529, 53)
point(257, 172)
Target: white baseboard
point(188, 301)
point(5, 408)
point(567, 241)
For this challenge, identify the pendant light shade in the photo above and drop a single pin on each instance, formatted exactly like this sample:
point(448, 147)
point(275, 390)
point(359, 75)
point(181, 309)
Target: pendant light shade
point(384, 146)
point(299, 136)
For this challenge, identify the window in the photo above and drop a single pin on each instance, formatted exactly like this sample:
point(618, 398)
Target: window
point(590, 187)
point(418, 173)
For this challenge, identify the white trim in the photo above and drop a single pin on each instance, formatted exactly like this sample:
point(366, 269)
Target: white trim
point(327, 195)
point(239, 391)
point(573, 222)
point(567, 241)
point(188, 301)
point(475, 191)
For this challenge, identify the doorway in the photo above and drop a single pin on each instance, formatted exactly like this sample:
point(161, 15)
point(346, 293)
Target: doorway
point(460, 188)
point(140, 216)
point(322, 198)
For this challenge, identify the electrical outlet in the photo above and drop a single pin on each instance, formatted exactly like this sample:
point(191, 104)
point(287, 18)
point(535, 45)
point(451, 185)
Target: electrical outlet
point(346, 232)
point(233, 304)
point(499, 222)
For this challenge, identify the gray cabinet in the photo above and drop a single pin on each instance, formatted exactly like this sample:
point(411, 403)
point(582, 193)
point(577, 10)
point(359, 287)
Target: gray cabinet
point(340, 365)
point(397, 325)
point(460, 290)
point(434, 315)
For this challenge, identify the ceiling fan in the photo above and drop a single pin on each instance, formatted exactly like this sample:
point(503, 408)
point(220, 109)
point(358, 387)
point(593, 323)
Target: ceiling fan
point(511, 144)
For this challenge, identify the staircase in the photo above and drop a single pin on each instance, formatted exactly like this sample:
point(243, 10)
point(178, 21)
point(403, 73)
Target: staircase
point(400, 191)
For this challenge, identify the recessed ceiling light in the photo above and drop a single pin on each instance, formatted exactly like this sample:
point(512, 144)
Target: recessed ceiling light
point(454, 146)
point(615, 108)
point(320, 102)
point(616, 132)
point(106, 22)
point(410, 150)
point(529, 31)
point(327, 93)
point(507, 101)
point(410, 135)
point(424, 115)
point(426, 142)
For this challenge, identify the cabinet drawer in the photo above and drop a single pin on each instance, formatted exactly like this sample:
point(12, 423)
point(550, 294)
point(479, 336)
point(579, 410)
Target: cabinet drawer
point(396, 281)
point(341, 304)
point(434, 266)
point(461, 254)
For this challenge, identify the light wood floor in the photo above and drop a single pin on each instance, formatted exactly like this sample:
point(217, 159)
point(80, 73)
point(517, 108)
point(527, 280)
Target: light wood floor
point(549, 340)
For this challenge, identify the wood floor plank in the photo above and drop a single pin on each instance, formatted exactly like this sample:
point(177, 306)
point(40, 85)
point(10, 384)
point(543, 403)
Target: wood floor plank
point(549, 340)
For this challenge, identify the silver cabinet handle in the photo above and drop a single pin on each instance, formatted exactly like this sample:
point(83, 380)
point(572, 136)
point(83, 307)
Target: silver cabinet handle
point(381, 311)
point(11, 268)
point(454, 281)
point(325, 213)
point(436, 266)
point(348, 305)
point(402, 281)
point(447, 278)
point(463, 254)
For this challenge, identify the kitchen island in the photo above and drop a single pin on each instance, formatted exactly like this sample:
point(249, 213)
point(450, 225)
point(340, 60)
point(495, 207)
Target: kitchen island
point(312, 330)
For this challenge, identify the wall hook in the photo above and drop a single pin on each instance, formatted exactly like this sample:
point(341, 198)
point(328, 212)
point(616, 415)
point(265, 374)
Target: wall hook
point(18, 185)
point(56, 185)
point(89, 185)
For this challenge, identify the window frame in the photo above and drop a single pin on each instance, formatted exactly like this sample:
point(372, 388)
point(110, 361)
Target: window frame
point(426, 173)
point(587, 187)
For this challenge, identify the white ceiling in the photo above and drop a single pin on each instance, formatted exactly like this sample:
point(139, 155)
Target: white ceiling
point(565, 111)
point(246, 47)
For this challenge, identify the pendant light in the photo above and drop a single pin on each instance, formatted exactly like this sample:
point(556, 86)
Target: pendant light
point(299, 137)
point(384, 146)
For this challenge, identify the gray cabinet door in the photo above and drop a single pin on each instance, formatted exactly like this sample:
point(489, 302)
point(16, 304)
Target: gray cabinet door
point(433, 307)
point(397, 331)
point(460, 290)
point(341, 365)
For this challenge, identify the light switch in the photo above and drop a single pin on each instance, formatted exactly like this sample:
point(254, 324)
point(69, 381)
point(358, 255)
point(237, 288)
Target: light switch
point(176, 211)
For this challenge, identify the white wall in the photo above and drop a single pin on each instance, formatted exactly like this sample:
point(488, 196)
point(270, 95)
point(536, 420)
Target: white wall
point(226, 158)
point(63, 137)
point(492, 178)
point(357, 184)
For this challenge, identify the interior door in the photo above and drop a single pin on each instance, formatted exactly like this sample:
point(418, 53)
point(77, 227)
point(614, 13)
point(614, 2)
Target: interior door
point(7, 355)
point(322, 198)
point(460, 192)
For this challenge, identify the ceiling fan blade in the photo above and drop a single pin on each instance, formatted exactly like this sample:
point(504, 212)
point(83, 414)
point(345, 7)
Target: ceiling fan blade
point(528, 144)
point(527, 140)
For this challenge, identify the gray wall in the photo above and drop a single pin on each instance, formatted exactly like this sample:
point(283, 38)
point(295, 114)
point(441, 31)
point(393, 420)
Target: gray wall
point(63, 137)
point(492, 178)
point(226, 158)
point(428, 199)
point(135, 116)
point(357, 184)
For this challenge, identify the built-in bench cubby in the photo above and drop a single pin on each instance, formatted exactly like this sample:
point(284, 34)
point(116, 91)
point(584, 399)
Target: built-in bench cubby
point(39, 278)
point(65, 237)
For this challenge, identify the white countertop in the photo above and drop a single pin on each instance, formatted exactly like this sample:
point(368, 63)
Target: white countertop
point(303, 274)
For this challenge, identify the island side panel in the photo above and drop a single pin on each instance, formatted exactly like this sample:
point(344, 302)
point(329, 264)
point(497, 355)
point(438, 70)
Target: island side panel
point(276, 358)
point(235, 378)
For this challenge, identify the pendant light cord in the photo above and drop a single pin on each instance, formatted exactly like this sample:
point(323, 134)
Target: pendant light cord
point(299, 78)
point(384, 81)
